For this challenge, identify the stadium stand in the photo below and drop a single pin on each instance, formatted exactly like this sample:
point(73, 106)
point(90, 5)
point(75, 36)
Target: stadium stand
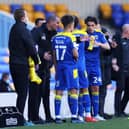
point(34, 11)
point(4, 67)
point(115, 14)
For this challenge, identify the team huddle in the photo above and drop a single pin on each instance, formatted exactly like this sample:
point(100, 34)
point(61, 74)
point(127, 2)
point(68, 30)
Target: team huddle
point(77, 64)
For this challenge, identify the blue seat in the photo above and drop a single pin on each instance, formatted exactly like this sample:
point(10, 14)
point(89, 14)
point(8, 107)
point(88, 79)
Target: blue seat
point(117, 19)
point(14, 7)
point(0, 75)
point(4, 68)
point(3, 60)
point(39, 7)
point(48, 14)
point(4, 52)
point(126, 18)
point(116, 7)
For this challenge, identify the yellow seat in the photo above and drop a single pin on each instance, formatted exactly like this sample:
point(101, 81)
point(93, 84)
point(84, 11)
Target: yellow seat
point(107, 14)
point(5, 7)
point(105, 10)
point(82, 24)
point(30, 16)
point(61, 25)
point(28, 7)
point(125, 7)
point(60, 14)
point(50, 7)
point(61, 8)
point(39, 15)
point(6, 59)
point(73, 13)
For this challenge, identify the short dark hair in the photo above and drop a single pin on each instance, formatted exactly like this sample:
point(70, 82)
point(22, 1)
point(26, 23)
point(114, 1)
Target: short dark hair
point(91, 19)
point(37, 20)
point(51, 18)
point(18, 14)
point(76, 21)
point(67, 19)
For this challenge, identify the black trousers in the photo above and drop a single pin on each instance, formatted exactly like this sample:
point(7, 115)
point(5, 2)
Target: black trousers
point(125, 98)
point(36, 93)
point(19, 75)
point(122, 85)
point(106, 79)
point(33, 111)
point(102, 95)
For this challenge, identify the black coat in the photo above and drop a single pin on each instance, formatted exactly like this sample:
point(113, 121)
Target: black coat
point(21, 45)
point(118, 53)
point(42, 37)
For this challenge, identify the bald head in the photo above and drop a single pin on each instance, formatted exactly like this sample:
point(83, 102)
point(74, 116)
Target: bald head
point(125, 27)
point(125, 30)
point(52, 22)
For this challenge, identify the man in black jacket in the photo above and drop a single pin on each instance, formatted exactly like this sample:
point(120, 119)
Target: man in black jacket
point(121, 67)
point(42, 37)
point(21, 46)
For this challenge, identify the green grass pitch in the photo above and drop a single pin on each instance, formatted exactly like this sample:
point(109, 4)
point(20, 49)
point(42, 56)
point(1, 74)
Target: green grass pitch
point(121, 123)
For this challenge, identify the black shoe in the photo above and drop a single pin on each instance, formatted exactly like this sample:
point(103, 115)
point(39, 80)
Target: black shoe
point(39, 122)
point(107, 116)
point(123, 114)
point(117, 115)
point(50, 120)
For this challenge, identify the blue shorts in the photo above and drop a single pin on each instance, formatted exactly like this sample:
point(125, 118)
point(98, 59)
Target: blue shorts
point(83, 80)
point(94, 76)
point(66, 77)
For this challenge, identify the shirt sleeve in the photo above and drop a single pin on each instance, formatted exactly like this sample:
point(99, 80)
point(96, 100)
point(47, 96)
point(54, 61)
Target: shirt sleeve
point(102, 38)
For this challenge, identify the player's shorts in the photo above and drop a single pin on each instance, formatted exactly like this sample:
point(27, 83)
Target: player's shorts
point(94, 76)
point(66, 77)
point(83, 80)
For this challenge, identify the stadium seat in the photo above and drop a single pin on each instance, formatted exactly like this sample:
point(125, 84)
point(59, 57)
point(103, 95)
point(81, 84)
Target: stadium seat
point(116, 7)
point(61, 8)
point(60, 14)
point(4, 52)
point(73, 13)
point(13, 7)
point(5, 7)
point(107, 14)
point(28, 7)
point(82, 24)
point(125, 7)
point(4, 60)
point(31, 16)
point(39, 15)
point(48, 14)
point(117, 19)
point(39, 7)
point(126, 18)
point(105, 11)
point(4, 68)
point(50, 7)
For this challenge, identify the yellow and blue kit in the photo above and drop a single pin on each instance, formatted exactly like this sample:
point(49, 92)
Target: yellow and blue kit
point(93, 60)
point(82, 73)
point(66, 70)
